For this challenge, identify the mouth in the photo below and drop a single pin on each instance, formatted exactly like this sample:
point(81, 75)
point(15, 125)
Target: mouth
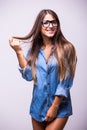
point(50, 31)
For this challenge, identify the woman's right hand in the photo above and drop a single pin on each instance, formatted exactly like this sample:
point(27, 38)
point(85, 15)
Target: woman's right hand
point(15, 44)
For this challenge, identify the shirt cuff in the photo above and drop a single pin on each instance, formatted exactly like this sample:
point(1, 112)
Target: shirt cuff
point(26, 72)
point(62, 92)
point(24, 68)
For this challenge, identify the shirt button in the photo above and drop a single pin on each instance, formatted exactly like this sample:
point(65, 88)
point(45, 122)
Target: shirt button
point(48, 95)
point(48, 105)
point(48, 73)
point(48, 83)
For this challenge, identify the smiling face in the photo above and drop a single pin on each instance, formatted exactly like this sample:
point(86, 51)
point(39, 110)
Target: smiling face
point(49, 26)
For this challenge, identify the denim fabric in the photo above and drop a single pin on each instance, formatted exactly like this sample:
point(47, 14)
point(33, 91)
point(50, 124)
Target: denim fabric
point(47, 87)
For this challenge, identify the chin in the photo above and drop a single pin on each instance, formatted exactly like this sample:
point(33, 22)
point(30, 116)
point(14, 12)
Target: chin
point(50, 36)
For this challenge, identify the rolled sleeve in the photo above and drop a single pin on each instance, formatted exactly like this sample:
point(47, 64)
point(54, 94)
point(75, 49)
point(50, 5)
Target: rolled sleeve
point(26, 72)
point(64, 86)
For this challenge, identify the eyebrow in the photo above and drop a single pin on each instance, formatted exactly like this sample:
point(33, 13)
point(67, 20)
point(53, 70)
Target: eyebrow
point(48, 20)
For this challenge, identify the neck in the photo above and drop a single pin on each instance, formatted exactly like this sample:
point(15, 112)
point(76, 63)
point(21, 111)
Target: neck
point(47, 41)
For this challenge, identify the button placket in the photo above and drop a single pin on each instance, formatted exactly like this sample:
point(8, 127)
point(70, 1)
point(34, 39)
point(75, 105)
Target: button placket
point(48, 85)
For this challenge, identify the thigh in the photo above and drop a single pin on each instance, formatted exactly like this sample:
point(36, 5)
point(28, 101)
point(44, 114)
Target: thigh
point(38, 125)
point(57, 124)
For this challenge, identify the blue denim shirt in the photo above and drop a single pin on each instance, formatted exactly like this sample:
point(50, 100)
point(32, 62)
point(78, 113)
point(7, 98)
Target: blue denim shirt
point(47, 87)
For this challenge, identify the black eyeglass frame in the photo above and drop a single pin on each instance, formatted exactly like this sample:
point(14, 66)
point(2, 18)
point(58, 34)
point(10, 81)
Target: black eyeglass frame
point(46, 23)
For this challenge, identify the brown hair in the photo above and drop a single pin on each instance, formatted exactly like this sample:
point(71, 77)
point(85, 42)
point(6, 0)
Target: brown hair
point(65, 51)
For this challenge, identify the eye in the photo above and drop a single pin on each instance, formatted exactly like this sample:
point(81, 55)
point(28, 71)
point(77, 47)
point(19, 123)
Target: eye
point(45, 22)
point(54, 22)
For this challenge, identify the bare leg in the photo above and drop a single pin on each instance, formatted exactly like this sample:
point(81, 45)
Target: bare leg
point(57, 124)
point(38, 125)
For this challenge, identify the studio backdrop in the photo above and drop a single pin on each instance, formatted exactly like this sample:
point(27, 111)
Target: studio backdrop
point(16, 19)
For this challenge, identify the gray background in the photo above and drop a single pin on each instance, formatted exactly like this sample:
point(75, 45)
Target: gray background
point(17, 18)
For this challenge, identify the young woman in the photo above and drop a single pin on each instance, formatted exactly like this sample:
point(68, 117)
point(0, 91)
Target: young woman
point(50, 62)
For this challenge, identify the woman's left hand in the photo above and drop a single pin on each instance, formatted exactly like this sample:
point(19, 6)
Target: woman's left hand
point(51, 113)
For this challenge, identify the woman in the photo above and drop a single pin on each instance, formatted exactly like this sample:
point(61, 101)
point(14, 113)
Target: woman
point(50, 63)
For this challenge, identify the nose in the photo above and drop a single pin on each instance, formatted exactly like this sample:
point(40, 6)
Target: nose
point(50, 25)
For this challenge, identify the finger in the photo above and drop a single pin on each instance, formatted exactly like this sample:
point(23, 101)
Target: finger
point(47, 118)
point(16, 42)
point(10, 40)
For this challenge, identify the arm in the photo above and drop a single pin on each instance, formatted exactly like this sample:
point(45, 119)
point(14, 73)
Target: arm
point(61, 92)
point(24, 68)
point(52, 111)
point(21, 59)
point(57, 101)
point(64, 86)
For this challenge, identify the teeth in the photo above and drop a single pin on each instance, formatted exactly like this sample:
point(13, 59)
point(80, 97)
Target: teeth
point(50, 30)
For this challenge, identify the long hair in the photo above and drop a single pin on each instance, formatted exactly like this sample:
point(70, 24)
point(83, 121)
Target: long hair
point(65, 51)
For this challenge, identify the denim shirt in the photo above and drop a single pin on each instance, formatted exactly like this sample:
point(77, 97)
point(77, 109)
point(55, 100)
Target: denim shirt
point(47, 87)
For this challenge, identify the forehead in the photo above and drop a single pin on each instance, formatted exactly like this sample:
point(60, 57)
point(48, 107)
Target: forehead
point(48, 17)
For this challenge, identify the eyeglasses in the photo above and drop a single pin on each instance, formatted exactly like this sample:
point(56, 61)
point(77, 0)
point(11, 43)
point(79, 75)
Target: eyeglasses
point(46, 23)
